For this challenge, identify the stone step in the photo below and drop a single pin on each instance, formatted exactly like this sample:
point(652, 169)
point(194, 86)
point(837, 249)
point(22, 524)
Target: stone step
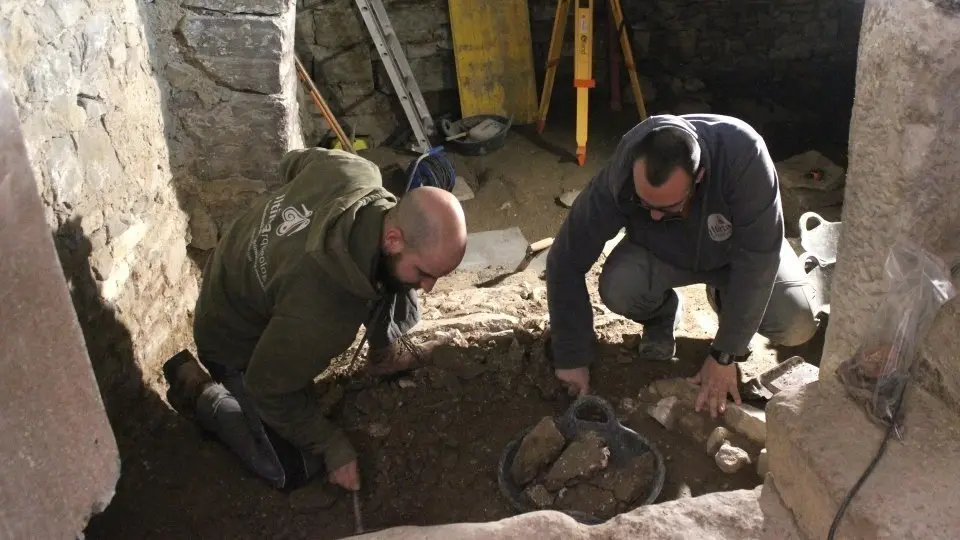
point(820, 442)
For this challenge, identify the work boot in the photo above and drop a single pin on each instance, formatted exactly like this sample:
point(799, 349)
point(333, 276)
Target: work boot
point(187, 380)
point(658, 343)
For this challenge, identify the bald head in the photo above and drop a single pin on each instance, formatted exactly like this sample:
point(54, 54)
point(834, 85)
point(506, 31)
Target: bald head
point(426, 233)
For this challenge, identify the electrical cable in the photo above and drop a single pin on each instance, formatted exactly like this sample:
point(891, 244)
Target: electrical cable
point(431, 169)
point(891, 428)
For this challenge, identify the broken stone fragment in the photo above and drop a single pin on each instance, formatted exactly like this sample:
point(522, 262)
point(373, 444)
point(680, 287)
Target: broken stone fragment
point(665, 411)
point(537, 450)
point(539, 496)
point(568, 197)
point(677, 387)
point(731, 458)
point(719, 436)
point(628, 482)
point(589, 499)
point(583, 457)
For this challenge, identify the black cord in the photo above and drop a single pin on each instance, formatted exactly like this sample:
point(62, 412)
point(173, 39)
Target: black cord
point(891, 428)
point(431, 169)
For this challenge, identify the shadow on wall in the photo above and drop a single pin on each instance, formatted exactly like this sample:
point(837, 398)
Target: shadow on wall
point(131, 407)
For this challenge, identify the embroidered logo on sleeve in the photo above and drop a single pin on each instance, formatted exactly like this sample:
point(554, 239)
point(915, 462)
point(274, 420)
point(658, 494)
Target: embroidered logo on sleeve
point(294, 220)
point(719, 227)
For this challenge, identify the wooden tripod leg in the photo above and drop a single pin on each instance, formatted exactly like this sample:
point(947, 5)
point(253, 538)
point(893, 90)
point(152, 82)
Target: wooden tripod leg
point(321, 103)
point(583, 71)
point(628, 58)
point(553, 57)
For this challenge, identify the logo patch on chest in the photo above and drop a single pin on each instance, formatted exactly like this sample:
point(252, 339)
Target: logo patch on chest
point(294, 220)
point(719, 227)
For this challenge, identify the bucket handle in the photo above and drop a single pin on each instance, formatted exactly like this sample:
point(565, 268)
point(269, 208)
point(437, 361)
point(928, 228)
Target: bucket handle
point(570, 418)
point(805, 220)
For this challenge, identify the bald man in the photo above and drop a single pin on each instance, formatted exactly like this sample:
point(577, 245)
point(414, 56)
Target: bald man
point(286, 291)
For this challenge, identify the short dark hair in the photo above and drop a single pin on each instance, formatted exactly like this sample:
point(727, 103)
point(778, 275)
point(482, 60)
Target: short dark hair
point(664, 149)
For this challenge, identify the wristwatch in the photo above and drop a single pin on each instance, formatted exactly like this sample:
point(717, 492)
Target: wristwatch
point(724, 358)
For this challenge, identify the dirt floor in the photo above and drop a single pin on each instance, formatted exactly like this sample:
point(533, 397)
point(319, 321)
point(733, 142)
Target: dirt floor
point(430, 440)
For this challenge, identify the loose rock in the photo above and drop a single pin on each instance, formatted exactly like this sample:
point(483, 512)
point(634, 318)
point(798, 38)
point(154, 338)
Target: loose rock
point(581, 496)
point(629, 482)
point(585, 455)
point(539, 496)
point(665, 411)
point(567, 198)
point(731, 458)
point(537, 450)
point(719, 436)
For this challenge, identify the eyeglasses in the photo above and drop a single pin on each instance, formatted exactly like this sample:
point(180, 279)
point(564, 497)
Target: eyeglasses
point(670, 211)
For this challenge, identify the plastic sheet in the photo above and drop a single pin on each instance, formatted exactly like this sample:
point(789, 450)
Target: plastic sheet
point(917, 285)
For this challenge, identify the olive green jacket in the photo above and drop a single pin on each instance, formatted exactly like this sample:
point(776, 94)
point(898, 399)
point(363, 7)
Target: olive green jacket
point(289, 285)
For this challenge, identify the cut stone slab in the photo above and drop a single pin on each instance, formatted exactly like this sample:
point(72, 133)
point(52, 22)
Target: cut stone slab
point(567, 198)
point(502, 249)
point(461, 190)
point(821, 442)
point(748, 420)
point(489, 322)
point(58, 453)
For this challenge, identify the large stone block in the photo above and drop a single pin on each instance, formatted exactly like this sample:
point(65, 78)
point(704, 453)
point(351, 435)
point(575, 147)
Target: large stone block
point(244, 136)
point(58, 452)
point(345, 65)
point(242, 52)
point(901, 179)
point(338, 24)
point(819, 444)
point(246, 7)
point(419, 21)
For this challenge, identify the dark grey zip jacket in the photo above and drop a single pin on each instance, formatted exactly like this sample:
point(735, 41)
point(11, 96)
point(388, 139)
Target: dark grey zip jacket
point(736, 222)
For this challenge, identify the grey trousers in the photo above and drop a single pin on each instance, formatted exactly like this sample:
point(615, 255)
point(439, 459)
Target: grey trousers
point(635, 284)
point(226, 409)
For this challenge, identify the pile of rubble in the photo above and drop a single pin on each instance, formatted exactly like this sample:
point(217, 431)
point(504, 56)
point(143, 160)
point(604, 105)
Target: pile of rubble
point(575, 474)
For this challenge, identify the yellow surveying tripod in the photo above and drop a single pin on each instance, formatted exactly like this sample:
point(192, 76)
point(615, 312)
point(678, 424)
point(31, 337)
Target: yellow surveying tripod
point(583, 64)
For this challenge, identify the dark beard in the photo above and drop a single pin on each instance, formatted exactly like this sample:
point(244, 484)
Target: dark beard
point(387, 275)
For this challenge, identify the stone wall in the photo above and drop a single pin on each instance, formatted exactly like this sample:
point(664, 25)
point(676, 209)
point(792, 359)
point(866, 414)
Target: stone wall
point(685, 50)
point(93, 122)
point(148, 125)
point(232, 101)
point(902, 178)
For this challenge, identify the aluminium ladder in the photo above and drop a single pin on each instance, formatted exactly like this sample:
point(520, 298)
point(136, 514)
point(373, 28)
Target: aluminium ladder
point(395, 61)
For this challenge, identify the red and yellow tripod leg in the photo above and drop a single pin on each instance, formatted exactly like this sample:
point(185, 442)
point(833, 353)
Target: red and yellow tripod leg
point(553, 57)
point(583, 71)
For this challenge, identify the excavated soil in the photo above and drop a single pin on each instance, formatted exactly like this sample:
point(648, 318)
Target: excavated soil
point(430, 440)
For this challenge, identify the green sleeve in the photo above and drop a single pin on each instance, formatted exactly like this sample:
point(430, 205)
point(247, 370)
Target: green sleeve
point(291, 352)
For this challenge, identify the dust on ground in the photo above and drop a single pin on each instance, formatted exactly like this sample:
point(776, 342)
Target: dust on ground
point(430, 441)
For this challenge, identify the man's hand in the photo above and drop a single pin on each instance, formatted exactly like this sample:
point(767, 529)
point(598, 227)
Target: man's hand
point(716, 382)
point(577, 380)
point(347, 476)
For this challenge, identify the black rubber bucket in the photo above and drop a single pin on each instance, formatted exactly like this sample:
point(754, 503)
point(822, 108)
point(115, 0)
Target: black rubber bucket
point(623, 442)
point(470, 147)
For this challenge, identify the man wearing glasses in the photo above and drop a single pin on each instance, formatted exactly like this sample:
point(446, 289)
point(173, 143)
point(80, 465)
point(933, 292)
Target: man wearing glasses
point(699, 198)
